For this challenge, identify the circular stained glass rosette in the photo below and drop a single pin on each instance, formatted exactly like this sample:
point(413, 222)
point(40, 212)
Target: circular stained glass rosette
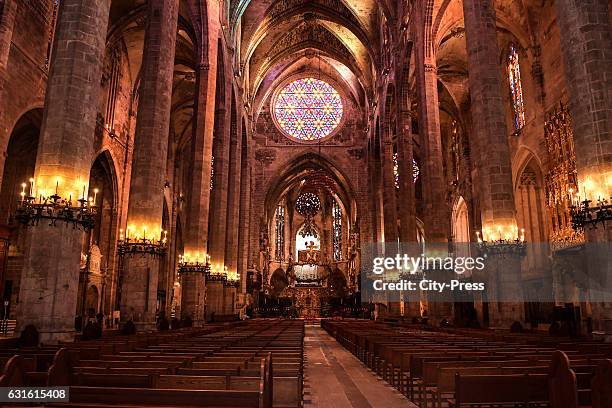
point(308, 109)
point(308, 204)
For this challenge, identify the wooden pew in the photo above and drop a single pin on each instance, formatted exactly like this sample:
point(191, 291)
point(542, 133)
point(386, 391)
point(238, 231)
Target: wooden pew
point(601, 385)
point(509, 390)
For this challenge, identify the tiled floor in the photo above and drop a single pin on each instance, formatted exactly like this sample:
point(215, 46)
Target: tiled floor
point(333, 377)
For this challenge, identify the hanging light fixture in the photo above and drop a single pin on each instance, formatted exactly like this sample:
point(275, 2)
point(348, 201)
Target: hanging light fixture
point(502, 240)
point(32, 209)
point(308, 204)
point(188, 265)
point(152, 245)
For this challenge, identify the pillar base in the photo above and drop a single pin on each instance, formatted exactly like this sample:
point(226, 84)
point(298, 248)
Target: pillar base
point(49, 281)
point(139, 290)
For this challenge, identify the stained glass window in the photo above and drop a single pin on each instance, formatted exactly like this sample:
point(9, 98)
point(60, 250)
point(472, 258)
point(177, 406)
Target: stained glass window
point(337, 225)
point(415, 171)
point(212, 172)
point(516, 87)
point(308, 109)
point(280, 232)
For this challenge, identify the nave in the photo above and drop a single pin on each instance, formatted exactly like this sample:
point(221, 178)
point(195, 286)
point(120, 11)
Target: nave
point(268, 363)
point(333, 377)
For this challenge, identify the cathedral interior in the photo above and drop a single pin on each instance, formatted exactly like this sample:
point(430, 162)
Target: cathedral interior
point(219, 169)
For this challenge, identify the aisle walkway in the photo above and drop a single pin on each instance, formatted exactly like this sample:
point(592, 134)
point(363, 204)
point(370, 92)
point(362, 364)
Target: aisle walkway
point(335, 378)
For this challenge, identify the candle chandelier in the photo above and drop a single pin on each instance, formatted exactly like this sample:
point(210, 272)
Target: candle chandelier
point(142, 245)
point(508, 243)
point(231, 279)
point(308, 204)
point(32, 209)
point(587, 213)
point(188, 266)
point(218, 273)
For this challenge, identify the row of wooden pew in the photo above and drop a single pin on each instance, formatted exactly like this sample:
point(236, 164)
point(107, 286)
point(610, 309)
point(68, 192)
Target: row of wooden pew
point(258, 363)
point(452, 368)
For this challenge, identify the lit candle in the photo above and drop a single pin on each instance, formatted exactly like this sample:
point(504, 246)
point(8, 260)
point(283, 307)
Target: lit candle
point(95, 195)
point(83, 196)
point(121, 234)
point(127, 233)
point(144, 232)
point(22, 197)
point(56, 185)
point(31, 186)
point(522, 234)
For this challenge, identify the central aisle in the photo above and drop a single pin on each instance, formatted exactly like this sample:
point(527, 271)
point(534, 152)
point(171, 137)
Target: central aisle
point(335, 378)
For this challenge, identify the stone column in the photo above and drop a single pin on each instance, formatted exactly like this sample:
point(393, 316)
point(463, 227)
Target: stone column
point(8, 9)
point(196, 235)
point(375, 187)
point(233, 198)
point(219, 203)
point(492, 153)
point(141, 271)
point(407, 201)
point(389, 202)
point(50, 277)
point(436, 217)
point(586, 45)
point(215, 300)
point(245, 213)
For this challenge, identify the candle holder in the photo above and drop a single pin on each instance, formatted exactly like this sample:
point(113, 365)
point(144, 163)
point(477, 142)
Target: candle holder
point(185, 266)
point(143, 246)
point(219, 275)
point(31, 210)
point(584, 214)
point(503, 246)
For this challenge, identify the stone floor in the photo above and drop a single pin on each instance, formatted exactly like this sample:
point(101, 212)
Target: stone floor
point(333, 377)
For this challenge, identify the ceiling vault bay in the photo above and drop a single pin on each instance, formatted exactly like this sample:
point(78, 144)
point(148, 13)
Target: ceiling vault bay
point(335, 39)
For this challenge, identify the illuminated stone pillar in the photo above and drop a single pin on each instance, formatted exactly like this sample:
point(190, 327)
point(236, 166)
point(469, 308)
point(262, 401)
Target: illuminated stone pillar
point(141, 270)
point(492, 153)
point(586, 47)
point(50, 277)
point(234, 194)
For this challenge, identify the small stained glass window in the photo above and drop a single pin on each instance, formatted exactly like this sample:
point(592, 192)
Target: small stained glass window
point(415, 171)
point(280, 232)
point(337, 224)
point(308, 109)
point(516, 87)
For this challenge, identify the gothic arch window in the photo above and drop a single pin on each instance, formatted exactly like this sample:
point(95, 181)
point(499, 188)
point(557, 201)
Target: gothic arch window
point(516, 87)
point(337, 228)
point(279, 218)
point(308, 109)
